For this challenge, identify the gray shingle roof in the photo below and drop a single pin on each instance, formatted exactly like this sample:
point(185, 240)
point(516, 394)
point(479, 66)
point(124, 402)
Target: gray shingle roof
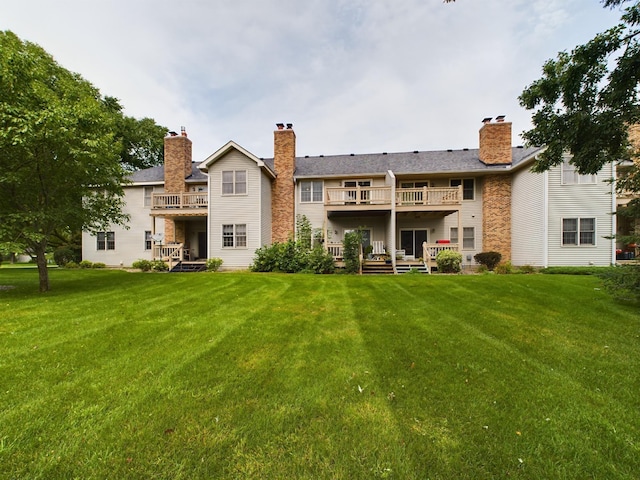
point(443, 161)
point(156, 175)
point(406, 163)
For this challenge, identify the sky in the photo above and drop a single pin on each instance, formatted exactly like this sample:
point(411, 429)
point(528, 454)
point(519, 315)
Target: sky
point(353, 76)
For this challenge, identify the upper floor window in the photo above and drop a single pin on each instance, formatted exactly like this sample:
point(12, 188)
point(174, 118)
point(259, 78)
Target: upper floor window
point(311, 191)
point(106, 241)
point(414, 184)
point(578, 231)
point(234, 182)
point(571, 176)
point(468, 187)
point(234, 235)
point(147, 196)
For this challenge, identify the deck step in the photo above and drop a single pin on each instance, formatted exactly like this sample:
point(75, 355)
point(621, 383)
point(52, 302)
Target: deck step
point(189, 267)
point(407, 267)
point(377, 268)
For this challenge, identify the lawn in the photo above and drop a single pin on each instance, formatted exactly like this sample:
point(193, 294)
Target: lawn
point(235, 375)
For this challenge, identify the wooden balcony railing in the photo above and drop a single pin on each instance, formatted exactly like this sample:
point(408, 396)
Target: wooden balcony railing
point(179, 200)
point(434, 196)
point(358, 196)
point(428, 196)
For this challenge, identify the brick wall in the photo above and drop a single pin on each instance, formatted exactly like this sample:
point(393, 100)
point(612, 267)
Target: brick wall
point(496, 215)
point(283, 193)
point(495, 143)
point(177, 163)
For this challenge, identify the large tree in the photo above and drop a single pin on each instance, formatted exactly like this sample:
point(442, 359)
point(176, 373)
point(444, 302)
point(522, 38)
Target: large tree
point(586, 103)
point(141, 140)
point(60, 155)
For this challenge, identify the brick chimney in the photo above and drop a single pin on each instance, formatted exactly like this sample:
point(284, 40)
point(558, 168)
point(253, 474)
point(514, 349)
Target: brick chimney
point(495, 142)
point(283, 194)
point(495, 149)
point(177, 167)
point(177, 161)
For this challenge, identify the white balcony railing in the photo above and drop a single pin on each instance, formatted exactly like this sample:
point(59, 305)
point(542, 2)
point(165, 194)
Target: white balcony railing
point(358, 196)
point(179, 200)
point(428, 196)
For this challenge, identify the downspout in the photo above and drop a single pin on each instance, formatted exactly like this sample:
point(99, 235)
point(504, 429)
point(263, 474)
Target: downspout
point(614, 218)
point(545, 223)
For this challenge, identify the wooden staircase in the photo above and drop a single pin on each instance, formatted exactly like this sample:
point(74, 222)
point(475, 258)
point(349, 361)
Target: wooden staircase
point(189, 267)
point(407, 267)
point(379, 267)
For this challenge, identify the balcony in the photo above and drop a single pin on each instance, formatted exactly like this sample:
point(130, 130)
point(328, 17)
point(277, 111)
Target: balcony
point(442, 199)
point(180, 204)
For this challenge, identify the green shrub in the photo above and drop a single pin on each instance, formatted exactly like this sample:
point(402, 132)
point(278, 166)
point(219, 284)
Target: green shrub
point(85, 264)
point(99, 265)
point(488, 259)
point(63, 255)
point(159, 266)
point(320, 261)
point(266, 258)
point(213, 264)
point(526, 269)
point(71, 264)
point(351, 251)
point(449, 261)
point(622, 282)
point(572, 270)
point(482, 269)
point(144, 265)
point(504, 268)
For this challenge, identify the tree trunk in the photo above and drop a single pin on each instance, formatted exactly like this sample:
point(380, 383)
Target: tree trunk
point(41, 261)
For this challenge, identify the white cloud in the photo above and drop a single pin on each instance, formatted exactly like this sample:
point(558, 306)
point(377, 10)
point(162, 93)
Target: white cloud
point(352, 75)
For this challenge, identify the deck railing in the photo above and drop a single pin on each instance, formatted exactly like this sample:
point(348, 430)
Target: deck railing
point(358, 196)
point(179, 200)
point(336, 250)
point(171, 253)
point(404, 196)
point(434, 249)
point(428, 196)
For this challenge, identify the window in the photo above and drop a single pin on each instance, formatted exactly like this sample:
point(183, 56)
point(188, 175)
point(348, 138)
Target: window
point(352, 195)
point(234, 182)
point(234, 235)
point(147, 196)
point(578, 231)
point(453, 235)
point(311, 191)
point(570, 175)
point(148, 241)
point(468, 238)
point(468, 187)
point(106, 241)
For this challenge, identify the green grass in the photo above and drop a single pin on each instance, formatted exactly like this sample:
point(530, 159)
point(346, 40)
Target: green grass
point(235, 375)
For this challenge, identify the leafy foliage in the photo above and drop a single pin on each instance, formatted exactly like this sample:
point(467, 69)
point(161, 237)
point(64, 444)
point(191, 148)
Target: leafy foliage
point(449, 261)
point(622, 282)
point(586, 99)
point(60, 152)
point(142, 264)
point(63, 255)
point(214, 264)
point(488, 259)
point(292, 257)
point(351, 251)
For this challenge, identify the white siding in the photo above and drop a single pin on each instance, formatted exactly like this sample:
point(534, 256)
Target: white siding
point(528, 221)
point(235, 210)
point(130, 244)
point(471, 214)
point(314, 211)
point(265, 215)
point(580, 201)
